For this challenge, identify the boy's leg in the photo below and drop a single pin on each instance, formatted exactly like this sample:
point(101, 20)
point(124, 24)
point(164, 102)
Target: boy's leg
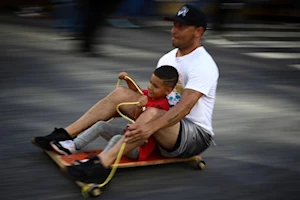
point(101, 111)
point(97, 168)
point(114, 140)
point(133, 154)
point(109, 157)
point(103, 129)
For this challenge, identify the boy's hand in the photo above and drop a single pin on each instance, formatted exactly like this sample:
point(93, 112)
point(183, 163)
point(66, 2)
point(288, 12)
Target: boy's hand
point(143, 101)
point(122, 75)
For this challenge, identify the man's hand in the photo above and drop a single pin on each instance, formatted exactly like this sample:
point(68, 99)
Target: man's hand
point(143, 101)
point(122, 75)
point(137, 131)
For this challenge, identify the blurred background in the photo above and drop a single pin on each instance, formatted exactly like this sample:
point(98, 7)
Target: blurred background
point(230, 10)
point(59, 57)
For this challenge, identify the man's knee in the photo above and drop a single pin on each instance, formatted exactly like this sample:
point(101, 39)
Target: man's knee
point(168, 137)
point(123, 93)
point(123, 90)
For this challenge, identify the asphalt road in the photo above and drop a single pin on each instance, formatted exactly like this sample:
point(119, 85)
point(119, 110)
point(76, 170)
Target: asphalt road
point(46, 84)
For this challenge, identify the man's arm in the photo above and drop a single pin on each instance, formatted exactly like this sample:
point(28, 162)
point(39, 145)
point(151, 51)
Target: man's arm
point(132, 86)
point(187, 101)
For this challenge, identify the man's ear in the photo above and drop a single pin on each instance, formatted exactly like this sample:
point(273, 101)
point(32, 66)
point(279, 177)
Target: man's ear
point(199, 31)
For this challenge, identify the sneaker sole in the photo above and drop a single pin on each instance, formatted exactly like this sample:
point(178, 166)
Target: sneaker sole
point(65, 173)
point(57, 150)
point(37, 145)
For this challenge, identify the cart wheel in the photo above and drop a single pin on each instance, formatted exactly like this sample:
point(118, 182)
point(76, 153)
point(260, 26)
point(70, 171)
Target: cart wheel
point(94, 191)
point(91, 190)
point(201, 164)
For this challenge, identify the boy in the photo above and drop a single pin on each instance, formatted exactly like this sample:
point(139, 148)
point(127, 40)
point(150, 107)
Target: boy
point(162, 83)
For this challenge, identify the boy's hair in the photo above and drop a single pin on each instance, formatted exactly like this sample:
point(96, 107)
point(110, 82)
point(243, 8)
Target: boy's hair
point(168, 74)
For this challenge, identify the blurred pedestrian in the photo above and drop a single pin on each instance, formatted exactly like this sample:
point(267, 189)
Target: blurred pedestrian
point(97, 12)
point(68, 16)
point(224, 10)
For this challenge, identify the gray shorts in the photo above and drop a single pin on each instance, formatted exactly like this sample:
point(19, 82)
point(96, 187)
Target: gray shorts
point(193, 141)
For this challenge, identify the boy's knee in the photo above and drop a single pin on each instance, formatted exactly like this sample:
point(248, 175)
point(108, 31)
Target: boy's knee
point(101, 126)
point(116, 138)
point(153, 112)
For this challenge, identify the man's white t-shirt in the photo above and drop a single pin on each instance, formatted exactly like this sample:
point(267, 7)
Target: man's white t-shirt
point(197, 71)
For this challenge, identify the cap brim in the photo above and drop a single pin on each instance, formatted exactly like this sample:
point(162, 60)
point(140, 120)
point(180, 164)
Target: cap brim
point(175, 19)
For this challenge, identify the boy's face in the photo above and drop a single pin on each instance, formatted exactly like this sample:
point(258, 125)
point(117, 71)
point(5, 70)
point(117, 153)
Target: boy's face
point(157, 89)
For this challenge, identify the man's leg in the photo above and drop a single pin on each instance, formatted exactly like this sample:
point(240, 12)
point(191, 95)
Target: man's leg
point(105, 109)
point(166, 137)
point(101, 111)
point(191, 140)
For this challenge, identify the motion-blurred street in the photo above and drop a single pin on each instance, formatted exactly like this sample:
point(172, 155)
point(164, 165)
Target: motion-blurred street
point(45, 83)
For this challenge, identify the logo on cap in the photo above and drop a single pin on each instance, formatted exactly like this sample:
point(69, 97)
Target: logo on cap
point(183, 11)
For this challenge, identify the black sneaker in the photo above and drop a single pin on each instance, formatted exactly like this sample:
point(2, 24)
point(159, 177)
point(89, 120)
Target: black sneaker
point(59, 134)
point(91, 171)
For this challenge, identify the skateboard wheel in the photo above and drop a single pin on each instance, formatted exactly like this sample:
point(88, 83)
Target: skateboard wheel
point(91, 191)
point(94, 191)
point(201, 164)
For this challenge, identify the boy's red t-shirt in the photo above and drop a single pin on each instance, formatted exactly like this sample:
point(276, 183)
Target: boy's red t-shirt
point(147, 148)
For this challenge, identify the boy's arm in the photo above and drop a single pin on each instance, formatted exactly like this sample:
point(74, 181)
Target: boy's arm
point(141, 106)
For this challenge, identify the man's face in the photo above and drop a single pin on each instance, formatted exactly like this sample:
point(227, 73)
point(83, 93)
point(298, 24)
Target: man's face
point(182, 35)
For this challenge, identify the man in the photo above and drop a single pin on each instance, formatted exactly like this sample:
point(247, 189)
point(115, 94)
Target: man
point(183, 131)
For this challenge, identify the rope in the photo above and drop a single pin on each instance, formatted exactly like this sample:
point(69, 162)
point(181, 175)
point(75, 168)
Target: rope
point(126, 103)
point(85, 189)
